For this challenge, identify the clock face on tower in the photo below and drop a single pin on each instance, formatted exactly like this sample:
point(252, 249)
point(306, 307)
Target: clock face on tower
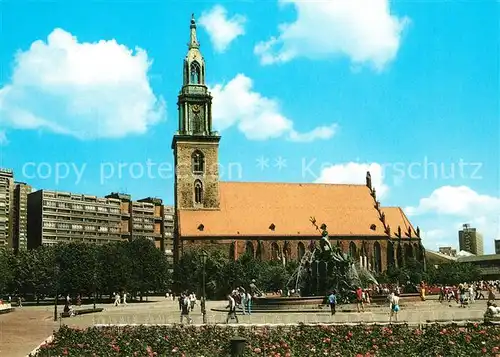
point(195, 108)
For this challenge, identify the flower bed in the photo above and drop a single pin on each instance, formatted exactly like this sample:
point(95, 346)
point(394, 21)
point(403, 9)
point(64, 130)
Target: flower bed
point(279, 341)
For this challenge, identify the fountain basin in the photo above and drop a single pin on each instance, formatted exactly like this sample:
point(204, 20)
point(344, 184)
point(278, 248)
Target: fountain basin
point(286, 303)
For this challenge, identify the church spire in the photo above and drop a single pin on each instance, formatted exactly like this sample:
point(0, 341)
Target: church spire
point(193, 41)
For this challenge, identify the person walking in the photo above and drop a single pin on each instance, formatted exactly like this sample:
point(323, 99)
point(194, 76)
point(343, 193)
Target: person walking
point(394, 306)
point(125, 298)
point(472, 294)
point(231, 315)
point(422, 290)
point(249, 302)
point(185, 307)
point(243, 295)
point(332, 300)
point(359, 299)
point(117, 299)
point(192, 300)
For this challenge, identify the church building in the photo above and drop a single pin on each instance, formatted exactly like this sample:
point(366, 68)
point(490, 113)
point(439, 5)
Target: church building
point(271, 220)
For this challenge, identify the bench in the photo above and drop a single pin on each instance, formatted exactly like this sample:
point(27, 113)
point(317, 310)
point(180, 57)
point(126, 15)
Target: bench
point(81, 312)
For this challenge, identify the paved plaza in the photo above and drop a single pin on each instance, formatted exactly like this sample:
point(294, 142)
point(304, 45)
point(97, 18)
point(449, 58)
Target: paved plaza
point(25, 328)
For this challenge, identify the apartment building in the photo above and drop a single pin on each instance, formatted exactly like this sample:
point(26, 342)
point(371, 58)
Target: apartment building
point(6, 214)
point(168, 232)
point(143, 219)
point(67, 217)
point(125, 209)
point(20, 216)
point(448, 251)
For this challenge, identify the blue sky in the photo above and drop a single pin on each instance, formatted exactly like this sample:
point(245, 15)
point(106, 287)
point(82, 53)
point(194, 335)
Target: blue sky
point(408, 90)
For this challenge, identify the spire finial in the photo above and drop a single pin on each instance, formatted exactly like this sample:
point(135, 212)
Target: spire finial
point(193, 41)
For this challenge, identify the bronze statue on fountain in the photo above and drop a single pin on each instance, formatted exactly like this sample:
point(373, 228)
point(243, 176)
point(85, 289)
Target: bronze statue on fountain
point(327, 268)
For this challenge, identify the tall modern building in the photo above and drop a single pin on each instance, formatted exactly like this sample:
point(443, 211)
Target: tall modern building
point(67, 217)
point(6, 213)
point(168, 232)
point(470, 240)
point(20, 216)
point(497, 246)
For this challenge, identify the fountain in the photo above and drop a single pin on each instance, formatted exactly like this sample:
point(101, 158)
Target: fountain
point(321, 270)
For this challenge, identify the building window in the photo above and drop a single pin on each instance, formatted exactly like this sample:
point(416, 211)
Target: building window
point(301, 250)
point(195, 73)
point(198, 162)
point(198, 192)
point(353, 251)
point(275, 251)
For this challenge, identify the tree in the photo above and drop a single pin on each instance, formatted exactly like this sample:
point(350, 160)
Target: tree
point(6, 270)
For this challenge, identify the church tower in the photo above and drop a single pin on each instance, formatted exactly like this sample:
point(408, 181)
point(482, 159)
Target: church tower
point(195, 145)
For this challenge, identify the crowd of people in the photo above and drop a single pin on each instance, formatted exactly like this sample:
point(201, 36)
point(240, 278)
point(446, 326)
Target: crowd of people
point(466, 293)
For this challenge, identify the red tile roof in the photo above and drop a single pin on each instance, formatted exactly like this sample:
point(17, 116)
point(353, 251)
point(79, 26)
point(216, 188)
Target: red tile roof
point(394, 216)
point(250, 208)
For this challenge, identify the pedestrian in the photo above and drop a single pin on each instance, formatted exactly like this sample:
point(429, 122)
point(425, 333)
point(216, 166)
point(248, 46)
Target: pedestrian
point(422, 290)
point(117, 299)
point(231, 315)
point(472, 294)
point(359, 299)
point(332, 299)
point(125, 298)
point(249, 302)
point(491, 295)
point(78, 300)
point(243, 295)
point(394, 305)
point(192, 300)
point(185, 307)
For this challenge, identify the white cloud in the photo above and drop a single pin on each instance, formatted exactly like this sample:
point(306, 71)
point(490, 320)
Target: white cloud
point(448, 207)
point(355, 173)
point(87, 90)
point(363, 30)
point(460, 201)
point(221, 29)
point(257, 117)
point(435, 238)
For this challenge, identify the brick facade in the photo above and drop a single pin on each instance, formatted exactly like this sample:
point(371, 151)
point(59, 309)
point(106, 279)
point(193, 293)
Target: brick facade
point(267, 249)
point(185, 178)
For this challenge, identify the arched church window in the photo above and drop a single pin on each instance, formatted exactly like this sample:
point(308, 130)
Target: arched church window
point(198, 192)
point(198, 162)
point(353, 251)
point(195, 73)
point(275, 251)
point(301, 250)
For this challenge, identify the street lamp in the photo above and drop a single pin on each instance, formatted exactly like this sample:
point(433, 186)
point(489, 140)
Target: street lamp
point(56, 271)
point(204, 257)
